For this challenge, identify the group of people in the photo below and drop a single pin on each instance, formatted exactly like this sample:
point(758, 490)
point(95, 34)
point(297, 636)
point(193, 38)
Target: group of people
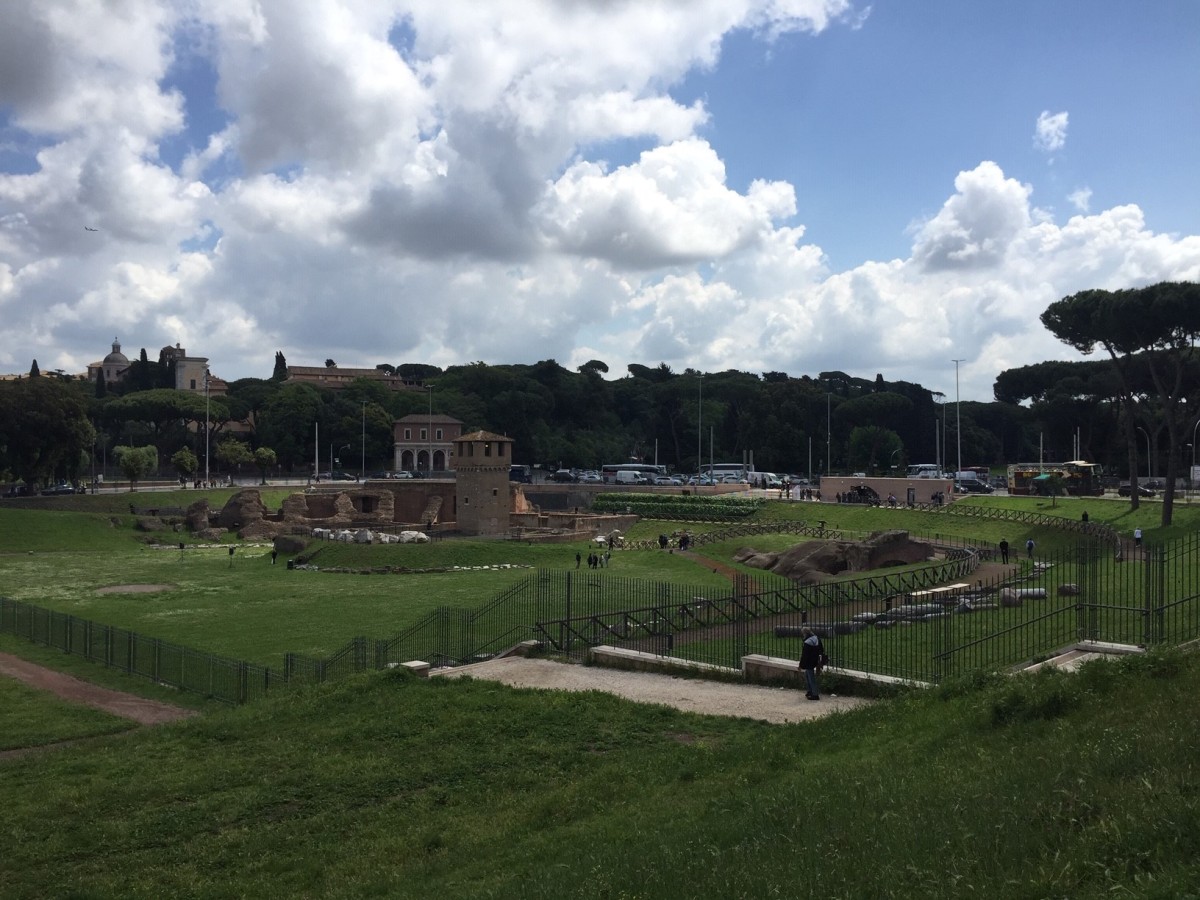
point(1004, 549)
point(594, 560)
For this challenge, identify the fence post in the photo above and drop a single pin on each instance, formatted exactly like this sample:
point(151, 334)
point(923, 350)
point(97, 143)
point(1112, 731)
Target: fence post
point(1156, 563)
point(1087, 612)
point(565, 635)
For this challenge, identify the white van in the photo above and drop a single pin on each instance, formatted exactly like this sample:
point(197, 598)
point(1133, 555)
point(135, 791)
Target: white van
point(627, 477)
point(923, 470)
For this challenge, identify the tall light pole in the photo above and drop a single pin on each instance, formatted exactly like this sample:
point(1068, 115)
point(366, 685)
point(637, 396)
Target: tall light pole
point(1149, 471)
point(958, 415)
point(828, 434)
point(1192, 474)
point(363, 472)
point(340, 449)
point(206, 426)
point(699, 427)
point(429, 434)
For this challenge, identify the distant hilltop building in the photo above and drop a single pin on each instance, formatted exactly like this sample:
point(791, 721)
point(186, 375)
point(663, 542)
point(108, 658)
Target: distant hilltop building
point(335, 378)
point(189, 370)
point(425, 443)
point(114, 366)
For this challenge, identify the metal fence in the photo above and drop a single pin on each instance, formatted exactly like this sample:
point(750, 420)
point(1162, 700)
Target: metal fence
point(924, 624)
point(1150, 597)
point(227, 680)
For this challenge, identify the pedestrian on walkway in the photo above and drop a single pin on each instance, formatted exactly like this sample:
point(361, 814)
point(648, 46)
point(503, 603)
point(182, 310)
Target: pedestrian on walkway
point(1004, 551)
point(812, 660)
point(1137, 537)
point(1029, 547)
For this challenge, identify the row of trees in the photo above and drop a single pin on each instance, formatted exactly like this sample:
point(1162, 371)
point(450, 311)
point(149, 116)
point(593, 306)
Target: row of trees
point(560, 417)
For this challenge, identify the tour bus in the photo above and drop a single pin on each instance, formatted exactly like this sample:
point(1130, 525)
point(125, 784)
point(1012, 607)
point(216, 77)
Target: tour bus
point(1080, 479)
point(924, 470)
point(609, 472)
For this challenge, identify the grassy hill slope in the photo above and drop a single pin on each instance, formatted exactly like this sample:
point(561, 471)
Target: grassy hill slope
point(386, 785)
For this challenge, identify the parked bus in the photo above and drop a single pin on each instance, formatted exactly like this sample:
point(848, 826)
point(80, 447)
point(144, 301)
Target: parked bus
point(609, 472)
point(522, 474)
point(924, 470)
point(1081, 479)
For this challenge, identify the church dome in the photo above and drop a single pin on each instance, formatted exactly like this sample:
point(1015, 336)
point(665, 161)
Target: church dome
point(116, 358)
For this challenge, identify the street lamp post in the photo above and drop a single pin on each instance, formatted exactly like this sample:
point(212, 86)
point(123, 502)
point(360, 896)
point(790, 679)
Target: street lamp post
point(340, 449)
point(699, 427)
point(1192, 474)
point(429, 434)
point(1149, 471)
point(206, 482)
point(957, 416)
point(363, 470)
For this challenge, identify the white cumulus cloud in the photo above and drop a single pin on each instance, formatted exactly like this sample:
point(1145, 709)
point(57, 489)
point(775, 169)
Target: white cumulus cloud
point(1050, 134)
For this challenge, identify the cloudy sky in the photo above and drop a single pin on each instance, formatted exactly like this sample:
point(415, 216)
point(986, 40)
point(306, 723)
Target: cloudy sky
point(767, 185)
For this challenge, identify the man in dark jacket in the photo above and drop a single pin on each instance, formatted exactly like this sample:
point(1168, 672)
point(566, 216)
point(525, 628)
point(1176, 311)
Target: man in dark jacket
point(812, 660)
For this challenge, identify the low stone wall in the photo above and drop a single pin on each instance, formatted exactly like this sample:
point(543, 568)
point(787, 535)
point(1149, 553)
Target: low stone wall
point(755, 667)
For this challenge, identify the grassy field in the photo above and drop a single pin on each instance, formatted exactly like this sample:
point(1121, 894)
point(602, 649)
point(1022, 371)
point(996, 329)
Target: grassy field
point(69, 554)
point(386, 785)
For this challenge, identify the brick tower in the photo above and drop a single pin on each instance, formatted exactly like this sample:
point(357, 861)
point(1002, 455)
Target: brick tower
point(482, 461)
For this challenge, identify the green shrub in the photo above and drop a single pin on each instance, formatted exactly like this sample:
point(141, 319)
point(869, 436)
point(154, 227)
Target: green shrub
point(679, 507)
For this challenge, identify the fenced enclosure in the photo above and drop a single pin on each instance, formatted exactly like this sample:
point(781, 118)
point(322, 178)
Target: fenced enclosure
point(226, 680)
point(923, 624)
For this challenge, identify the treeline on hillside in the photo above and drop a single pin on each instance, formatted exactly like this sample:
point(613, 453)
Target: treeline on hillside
point(50, 426)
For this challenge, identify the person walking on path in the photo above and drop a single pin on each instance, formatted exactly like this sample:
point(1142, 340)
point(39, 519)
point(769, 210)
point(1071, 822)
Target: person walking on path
point(1029, 547)
point(1137, 537)
point(1004, 551)
point(812, 660)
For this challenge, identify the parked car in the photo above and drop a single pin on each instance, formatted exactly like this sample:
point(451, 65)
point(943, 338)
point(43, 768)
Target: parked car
point(667, 480)
point(563, 475)
point(1143, 491)
point(62, 487)
point(591, 478)
point(344, 476)
point(973, 486)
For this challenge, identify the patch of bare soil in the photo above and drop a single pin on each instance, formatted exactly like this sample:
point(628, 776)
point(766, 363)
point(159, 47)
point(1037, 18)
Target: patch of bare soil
point(129, 706)
point(776, 705)
point(135, 588)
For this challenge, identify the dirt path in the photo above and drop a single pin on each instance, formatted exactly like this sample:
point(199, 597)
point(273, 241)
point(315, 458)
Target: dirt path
point(128, 706)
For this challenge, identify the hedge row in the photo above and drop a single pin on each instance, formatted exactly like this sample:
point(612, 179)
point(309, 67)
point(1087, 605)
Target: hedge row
point(679, 506)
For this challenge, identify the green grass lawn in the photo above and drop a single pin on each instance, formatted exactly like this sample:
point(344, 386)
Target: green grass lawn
point(386, 785)
point(33, 718)
point(63, 558)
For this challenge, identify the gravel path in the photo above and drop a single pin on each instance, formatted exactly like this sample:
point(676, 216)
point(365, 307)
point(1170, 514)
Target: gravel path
point(776, 705)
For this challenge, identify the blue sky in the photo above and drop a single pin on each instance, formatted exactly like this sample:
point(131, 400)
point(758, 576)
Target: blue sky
point(784, 185)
